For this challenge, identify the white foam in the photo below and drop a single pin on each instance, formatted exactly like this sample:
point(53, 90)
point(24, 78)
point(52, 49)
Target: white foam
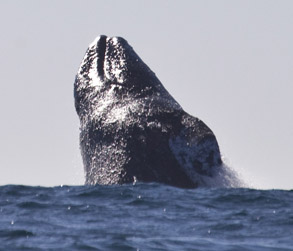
point(224, 176)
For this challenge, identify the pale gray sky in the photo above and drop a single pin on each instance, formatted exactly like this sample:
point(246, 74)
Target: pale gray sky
point(227, 62)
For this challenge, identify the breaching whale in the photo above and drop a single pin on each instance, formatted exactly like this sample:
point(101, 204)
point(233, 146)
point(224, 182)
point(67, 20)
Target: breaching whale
point(131, 128)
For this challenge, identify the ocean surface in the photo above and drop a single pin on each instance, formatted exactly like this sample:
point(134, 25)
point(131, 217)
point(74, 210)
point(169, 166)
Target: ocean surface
point(144, 217)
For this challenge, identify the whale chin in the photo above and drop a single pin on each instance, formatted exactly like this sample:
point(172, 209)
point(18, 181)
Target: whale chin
point(131, 128)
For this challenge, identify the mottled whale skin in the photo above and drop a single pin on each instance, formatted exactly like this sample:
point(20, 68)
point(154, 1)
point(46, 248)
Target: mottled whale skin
point(131, 128)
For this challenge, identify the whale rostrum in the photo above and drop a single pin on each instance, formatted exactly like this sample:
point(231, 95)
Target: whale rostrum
point(131, 128)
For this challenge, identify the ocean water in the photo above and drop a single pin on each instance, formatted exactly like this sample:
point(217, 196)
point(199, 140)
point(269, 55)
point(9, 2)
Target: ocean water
point(144, 217)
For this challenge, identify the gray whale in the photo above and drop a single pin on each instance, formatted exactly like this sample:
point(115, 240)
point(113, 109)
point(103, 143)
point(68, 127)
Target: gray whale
point(131, 128)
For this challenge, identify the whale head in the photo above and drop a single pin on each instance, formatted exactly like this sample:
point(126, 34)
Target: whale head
point(111, 70)
point(130, 126)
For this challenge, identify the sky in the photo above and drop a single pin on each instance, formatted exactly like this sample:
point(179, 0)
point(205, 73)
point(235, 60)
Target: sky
point(228, 63)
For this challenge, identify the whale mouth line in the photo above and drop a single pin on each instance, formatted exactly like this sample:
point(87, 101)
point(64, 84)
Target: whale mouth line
point(101, 51)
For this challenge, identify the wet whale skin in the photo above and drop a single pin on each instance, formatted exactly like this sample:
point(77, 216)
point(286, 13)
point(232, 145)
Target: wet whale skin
point(131, 128)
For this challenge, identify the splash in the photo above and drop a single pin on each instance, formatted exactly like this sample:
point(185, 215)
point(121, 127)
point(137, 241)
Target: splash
point(225, 176)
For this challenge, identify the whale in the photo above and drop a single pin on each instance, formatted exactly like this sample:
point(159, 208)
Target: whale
point(131, 128)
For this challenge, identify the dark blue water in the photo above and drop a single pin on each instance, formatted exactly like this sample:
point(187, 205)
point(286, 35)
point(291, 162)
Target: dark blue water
point(144, 217)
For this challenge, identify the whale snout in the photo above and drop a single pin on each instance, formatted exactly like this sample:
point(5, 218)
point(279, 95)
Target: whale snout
point(107, 59)
point(108, 62)
point(110, 56)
